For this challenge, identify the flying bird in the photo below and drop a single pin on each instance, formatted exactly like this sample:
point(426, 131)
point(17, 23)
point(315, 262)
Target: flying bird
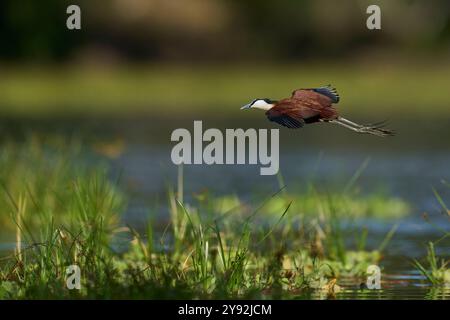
point(310, 106)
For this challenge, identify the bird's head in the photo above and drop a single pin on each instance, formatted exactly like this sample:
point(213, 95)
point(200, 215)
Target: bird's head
point(264, 104)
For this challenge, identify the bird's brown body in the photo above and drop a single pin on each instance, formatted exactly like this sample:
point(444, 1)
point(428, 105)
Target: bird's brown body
point(305, 106)
point(315, 105)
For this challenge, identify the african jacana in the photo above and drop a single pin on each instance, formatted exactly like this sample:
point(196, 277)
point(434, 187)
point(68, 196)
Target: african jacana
point(310, 106)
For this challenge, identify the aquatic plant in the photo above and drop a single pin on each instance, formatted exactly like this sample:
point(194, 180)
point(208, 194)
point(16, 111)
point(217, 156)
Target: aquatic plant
point(437, 270)
point(203, 252)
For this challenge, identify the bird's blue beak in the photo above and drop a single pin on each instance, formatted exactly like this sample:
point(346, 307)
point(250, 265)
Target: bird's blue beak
point(247, 106)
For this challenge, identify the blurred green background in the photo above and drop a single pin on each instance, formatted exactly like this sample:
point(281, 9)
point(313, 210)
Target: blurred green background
point(208, 57)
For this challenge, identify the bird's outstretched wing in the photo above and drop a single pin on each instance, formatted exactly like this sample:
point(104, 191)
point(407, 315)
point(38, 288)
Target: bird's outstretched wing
point(290, 115)
point(325, 95)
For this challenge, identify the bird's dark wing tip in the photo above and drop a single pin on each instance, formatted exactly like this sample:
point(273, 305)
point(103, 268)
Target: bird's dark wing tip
point(286, 121)
point(328, 91)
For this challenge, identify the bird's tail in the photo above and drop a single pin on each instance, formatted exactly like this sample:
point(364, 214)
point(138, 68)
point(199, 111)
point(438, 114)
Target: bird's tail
point(377, 129)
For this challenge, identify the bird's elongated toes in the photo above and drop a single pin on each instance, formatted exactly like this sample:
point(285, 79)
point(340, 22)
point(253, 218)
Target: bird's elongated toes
point(377, 130)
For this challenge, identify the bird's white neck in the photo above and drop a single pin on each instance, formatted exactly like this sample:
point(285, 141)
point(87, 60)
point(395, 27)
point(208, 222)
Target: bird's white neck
point(265, 106)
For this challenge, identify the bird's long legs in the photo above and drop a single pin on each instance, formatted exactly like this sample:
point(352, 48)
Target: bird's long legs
point(372, 125)
point(375, 129)
point(355, 125)
point(342, 123)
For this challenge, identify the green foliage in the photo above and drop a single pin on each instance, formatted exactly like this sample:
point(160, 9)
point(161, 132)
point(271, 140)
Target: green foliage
point(63, 186)
point(206, 251)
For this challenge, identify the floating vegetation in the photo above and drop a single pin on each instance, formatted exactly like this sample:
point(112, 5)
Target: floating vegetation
point(312, 203)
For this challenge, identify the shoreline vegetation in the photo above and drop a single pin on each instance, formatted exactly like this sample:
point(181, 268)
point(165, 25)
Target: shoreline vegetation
point(137, 89)
point(61, 211)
